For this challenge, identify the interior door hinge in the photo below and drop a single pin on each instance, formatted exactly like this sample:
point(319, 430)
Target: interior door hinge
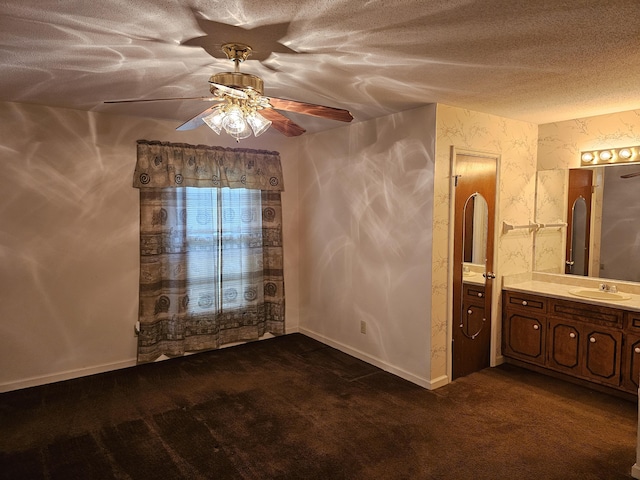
point(455, 180)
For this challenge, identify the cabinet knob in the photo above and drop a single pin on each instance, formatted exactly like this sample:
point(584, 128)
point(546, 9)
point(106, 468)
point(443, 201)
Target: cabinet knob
point(536, 327)
point(469, 311)
point(480, 294)
point(572, 335)
point(524, 302)
point(592, 340)
point(637, 349)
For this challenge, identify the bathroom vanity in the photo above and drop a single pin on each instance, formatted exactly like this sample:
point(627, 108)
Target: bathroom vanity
point(557, 328)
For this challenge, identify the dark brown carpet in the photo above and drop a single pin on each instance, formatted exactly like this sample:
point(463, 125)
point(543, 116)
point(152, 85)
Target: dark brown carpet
point(293, 408)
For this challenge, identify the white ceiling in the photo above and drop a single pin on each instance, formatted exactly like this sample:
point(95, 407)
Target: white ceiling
point(539, 61)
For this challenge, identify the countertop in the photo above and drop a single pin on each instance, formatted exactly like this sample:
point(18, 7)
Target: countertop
point(556, 289)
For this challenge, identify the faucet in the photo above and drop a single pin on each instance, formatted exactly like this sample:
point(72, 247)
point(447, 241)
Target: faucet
point(608, 288)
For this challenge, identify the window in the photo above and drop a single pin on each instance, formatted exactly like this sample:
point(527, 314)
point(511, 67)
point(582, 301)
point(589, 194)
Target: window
point(224, 238)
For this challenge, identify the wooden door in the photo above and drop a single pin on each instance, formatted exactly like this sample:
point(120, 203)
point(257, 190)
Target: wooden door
point(475, 185)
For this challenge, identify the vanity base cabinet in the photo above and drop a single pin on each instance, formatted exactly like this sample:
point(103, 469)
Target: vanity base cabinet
point(576, 339)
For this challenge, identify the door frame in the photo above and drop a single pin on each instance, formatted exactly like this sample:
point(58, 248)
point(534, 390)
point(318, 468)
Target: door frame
point(497, 288)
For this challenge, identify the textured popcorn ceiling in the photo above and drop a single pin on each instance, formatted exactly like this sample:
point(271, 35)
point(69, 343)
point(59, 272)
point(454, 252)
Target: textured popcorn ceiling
point(539, 60)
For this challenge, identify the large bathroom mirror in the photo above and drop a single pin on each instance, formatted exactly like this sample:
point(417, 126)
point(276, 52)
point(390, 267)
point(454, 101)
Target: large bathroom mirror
point(613, 245)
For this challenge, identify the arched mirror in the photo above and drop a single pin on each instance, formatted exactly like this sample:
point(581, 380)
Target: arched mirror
point(577, 261)
point(474, 241)
point(474, 236)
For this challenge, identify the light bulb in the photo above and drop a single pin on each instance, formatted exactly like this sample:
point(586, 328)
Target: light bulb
point(625, 153)
point(587, 157)
point(258, 124)
point(605, 155)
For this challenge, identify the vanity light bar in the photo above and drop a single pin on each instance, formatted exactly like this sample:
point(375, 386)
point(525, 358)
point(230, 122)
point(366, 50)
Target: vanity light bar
point(610, 156)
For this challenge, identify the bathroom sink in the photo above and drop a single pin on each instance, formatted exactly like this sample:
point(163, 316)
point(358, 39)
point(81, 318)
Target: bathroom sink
point(596, 294)
point(468, 274)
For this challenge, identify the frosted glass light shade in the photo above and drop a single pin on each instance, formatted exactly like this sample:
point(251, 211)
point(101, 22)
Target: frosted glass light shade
point(214, 121)
point(258, 124)
point(233, 122)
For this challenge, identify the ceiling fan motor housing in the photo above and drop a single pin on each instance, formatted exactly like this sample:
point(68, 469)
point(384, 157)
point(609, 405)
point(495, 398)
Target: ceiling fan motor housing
point(237, 80)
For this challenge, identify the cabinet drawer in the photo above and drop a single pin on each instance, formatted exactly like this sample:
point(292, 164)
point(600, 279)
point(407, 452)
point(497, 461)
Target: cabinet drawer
point(586, 312)
point(632, 321)
point(473, 292)
point(525, 301)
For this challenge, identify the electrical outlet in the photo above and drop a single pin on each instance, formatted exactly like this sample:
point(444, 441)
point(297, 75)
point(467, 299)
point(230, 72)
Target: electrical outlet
point(363, 326)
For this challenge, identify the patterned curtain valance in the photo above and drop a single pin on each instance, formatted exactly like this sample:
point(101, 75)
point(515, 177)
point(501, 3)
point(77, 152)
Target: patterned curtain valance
point(164, 164)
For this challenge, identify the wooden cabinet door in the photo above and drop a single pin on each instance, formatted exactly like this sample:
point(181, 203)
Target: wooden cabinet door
point(603, 352)
point(474, 319)
point(564, 346)
point(588, 351)
point(524, 336)
point(631, 363)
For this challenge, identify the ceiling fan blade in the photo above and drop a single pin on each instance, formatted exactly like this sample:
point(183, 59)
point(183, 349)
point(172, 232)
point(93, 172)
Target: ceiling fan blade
point(282, 123)
point(204, 99)
point(196, 121)
point(311, 109)
point(630, 175)
point(229, 91)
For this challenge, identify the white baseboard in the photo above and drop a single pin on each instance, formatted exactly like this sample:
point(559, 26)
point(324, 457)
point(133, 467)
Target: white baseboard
point(67, 375)
point(423, 382)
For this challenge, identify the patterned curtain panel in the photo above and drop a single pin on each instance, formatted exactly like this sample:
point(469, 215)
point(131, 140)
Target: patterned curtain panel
point(211, 264)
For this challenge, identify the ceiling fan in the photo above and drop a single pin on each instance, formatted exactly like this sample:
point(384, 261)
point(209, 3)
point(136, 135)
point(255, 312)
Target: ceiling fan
point(241, 107)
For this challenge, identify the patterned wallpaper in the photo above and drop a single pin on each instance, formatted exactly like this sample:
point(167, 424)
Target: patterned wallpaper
point(560, 143)
point(551, 207)
point(516, 143)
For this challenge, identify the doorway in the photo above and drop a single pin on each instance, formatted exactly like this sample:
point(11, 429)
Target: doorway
point(474, 197)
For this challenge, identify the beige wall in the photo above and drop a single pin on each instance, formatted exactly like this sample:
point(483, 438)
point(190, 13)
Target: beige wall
point(560, 143)
point(69, 238)
point(363, 207)
point(515, 142)
point(366, 193)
